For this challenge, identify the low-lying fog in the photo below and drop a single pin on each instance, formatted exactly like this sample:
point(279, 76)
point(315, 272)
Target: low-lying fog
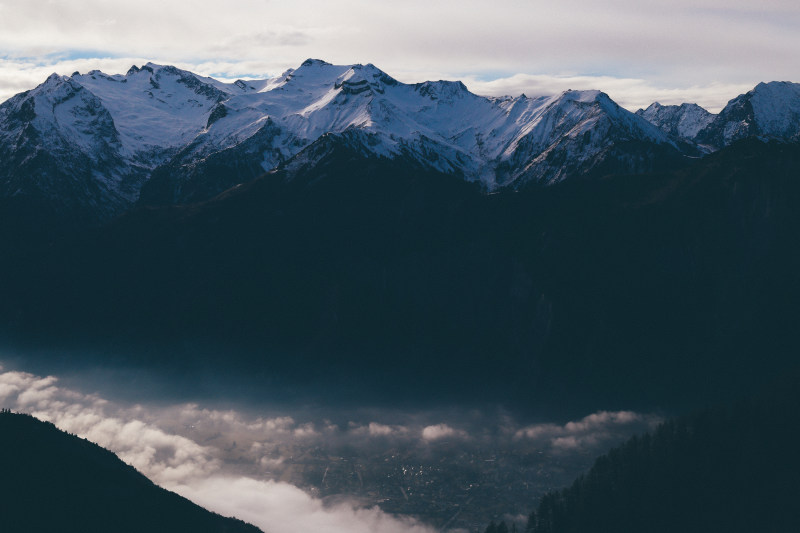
point(326, 468)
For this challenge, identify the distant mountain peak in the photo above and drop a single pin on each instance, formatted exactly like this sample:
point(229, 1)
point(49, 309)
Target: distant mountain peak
point(775, 85)
point(314, 63)
point(442, 89)
point(771, 110)
point(585, 95)
point(682, 121)
point(53, 77)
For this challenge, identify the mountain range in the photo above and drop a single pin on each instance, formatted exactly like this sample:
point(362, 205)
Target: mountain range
point(90, 146)
point(407, 239)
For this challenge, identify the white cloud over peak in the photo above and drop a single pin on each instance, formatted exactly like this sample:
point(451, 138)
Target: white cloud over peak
point(630, 93)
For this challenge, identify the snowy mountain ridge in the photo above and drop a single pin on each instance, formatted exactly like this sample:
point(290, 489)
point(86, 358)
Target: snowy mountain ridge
point(165, 135)
point(771, 111)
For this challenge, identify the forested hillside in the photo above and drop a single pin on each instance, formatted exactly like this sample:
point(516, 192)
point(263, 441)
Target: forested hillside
point(731, 470)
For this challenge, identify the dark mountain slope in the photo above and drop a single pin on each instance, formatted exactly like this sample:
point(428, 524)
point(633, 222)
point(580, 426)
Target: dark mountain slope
point(52, 481)
point(625, 289)
point(729, 470)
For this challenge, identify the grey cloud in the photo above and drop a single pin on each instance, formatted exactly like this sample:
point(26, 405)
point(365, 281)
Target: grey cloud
point(376, 429)
point(630, 93)
point(235, 45)
point(441, 431)
point(682, 46)
point(601, 429)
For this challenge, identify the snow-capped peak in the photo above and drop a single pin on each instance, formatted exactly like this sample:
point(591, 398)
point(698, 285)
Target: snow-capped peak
point(683, 121)
point(55, 78)
point(776, 108)
point(771, 110)
point(156, 108)
point(441, 89)
point(311, 62)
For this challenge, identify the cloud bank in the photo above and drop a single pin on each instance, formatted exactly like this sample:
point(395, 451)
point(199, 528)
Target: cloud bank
point(189, 468)
point(586, 433)
point(290, 509)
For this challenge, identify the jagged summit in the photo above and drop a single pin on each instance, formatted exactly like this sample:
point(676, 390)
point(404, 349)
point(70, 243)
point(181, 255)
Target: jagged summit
point(441, 88)
point(681, 121)
point(314, 62)
point(54, 78)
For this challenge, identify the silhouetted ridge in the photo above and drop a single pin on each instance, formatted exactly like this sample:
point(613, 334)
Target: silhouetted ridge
point(54, 481)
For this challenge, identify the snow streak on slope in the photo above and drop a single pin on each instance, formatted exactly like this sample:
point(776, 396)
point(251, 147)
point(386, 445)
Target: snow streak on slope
point(155, 108)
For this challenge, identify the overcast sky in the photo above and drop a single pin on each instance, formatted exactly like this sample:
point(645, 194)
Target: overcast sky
point(705, 51)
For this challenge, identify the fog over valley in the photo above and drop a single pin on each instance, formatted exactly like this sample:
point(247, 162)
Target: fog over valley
point(352, 469)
